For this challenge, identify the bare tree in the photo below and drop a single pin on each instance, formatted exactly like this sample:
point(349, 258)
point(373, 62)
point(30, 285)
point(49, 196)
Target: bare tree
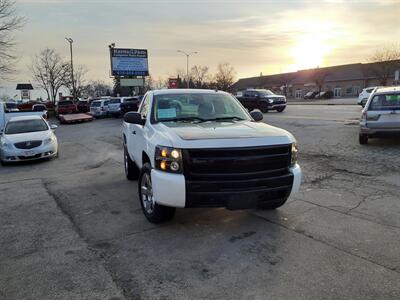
point(200, 76)
point(96, 89)
point(50, 72)
point(79, 79)
point(9, 22)
point(385, 62)
point(319, 78)
point(225, 76)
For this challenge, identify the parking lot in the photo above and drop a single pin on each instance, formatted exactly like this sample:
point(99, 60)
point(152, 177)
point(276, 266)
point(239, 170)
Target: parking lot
point(72, 227)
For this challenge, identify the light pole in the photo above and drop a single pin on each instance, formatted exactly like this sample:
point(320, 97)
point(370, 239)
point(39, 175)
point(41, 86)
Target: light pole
point(70, 41)
point(187, 64)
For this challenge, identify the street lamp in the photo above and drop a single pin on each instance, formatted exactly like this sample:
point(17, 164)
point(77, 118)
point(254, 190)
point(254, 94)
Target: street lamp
point(70, 41)
point(187, 64)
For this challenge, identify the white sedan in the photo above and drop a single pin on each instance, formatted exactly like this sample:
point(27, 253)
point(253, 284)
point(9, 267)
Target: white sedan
point(27, 138)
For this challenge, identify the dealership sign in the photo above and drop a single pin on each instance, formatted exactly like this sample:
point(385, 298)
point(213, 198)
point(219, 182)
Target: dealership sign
point(129, 62)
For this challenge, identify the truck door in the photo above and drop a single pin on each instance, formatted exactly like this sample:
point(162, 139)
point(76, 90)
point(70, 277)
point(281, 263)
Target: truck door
point(137, 133)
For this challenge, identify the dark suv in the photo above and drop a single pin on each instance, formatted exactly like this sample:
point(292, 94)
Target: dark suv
point(264, 100)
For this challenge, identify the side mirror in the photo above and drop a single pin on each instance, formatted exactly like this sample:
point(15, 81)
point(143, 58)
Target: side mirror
point(134, 118)
point(257, 115)
point(53, 126)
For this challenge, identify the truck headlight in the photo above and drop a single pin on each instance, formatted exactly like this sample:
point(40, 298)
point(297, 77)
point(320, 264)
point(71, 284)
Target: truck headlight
point(270, 101)
point(168, 159)
point(295, 151)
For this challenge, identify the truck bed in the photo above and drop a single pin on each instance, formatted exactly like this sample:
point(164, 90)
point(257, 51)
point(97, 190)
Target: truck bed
point(75, 118)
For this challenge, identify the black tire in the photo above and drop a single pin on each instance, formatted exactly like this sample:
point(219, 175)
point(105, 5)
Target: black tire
point(131, 170)
point(280, 109)
point(154, 213)
point(363, 139)
point(272, 204)
point(264, 108)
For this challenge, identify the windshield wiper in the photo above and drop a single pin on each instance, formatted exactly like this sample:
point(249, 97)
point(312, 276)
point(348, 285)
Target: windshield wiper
point(182, 119)
point(227, 118)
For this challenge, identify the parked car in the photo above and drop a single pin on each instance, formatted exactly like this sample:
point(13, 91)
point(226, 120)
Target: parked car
point(324, 95)
point(264, 100)
point(11, 106)
point(83, 106)
point(311, 95)
point(66, 107)
point(364, 95)
point(201, 148)
point(6, 115)
point(39, 107)
point(381, 115)
point(130, 104)
point(27, 138)
point(99, 108)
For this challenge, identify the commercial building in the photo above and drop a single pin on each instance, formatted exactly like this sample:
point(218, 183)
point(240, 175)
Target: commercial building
point(343, 80)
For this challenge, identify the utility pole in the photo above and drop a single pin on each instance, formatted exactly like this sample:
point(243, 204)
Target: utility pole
point(187, 64)
point(70, 41)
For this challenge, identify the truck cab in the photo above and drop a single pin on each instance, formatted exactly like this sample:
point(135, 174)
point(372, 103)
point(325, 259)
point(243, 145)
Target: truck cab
point(201, 148)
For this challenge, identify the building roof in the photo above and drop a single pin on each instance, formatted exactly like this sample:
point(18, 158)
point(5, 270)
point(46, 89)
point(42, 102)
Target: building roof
point(357, 71)
point(24, 86)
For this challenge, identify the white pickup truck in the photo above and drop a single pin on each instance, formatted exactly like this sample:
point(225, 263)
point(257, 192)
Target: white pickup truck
point(201, 148)
point(5, 116)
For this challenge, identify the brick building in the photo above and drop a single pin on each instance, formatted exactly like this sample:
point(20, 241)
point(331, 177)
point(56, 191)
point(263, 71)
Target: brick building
point(343, 80)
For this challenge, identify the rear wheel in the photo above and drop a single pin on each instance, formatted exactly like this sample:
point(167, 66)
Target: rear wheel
point(363, 139)
point(131, 170)
point(153, 212)
point(272, 204)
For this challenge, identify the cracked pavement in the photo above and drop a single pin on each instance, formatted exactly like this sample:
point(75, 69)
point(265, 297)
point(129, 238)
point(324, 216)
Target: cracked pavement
point(73, 227)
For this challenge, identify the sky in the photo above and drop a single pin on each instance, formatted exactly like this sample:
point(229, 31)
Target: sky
point(253, 36)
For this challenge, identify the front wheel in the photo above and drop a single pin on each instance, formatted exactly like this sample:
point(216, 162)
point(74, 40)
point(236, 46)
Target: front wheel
point(264, 108)
point(154, 213)
point(280, 109)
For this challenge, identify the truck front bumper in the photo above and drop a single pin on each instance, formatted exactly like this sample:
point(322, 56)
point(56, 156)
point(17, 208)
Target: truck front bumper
point(173, 190)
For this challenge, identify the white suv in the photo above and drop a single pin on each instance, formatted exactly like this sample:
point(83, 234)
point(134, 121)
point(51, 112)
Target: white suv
point(201, 148)
point(381, 114)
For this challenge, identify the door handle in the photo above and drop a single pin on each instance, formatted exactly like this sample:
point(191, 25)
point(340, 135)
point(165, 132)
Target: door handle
point(134, 132)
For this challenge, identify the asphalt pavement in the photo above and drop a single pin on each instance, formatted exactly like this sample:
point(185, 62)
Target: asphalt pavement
point(72, 228)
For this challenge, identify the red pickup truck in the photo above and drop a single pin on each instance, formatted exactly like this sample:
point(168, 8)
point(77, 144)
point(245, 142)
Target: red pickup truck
point(66, 107)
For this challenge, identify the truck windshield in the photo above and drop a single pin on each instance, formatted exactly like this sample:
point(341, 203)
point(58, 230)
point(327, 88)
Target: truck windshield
point(197, 107)
point(96, 104)
point(385, 102)
point(15, 127)
point(117, 100)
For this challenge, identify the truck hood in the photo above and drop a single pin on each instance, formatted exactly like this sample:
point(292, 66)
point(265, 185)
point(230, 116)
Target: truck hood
point(227, 134)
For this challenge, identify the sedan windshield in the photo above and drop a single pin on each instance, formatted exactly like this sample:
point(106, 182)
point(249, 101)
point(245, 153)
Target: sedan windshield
point(385, 102)
point(15, 127)
point(197, 107)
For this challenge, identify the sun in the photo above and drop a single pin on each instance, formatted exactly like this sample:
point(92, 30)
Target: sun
point(309, 53)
